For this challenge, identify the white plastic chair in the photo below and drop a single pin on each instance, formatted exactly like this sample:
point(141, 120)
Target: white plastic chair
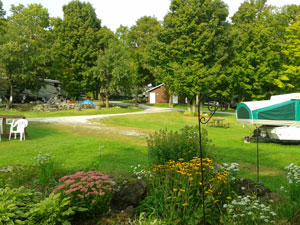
point(18, 127)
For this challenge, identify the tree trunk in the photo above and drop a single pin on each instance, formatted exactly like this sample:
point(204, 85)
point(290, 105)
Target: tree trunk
point(170, 100)
point(136, 95)
point(194, 105)
point(188, 104)
point(11, 91)
point(106, 98)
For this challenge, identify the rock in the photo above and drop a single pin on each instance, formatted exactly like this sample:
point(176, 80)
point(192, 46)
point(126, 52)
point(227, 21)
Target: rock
point(129, 211)
point(246, 186)
point(129, 194)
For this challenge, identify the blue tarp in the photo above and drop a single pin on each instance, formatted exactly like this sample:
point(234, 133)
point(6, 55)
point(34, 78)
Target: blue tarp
point(87, 102)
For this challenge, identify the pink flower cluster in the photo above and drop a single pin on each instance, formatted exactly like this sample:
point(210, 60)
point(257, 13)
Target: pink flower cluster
point(84, 184)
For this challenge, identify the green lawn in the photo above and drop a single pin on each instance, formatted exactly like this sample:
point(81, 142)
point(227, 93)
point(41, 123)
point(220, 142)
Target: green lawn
point(229, 144)
point(77, 147)
point(181, 106)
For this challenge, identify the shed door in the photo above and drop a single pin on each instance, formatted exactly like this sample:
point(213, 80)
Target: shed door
point(152, 98)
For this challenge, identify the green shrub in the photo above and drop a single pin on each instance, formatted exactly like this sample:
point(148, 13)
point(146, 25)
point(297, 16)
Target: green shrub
point(175, 190)
point(293, 177)
point(89, 191)
point(15, 204)
point(247, 210)
point(52, 210)
point(171, 145)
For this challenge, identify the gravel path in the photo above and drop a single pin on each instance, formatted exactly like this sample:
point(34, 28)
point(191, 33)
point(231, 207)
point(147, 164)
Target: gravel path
point(86, 119)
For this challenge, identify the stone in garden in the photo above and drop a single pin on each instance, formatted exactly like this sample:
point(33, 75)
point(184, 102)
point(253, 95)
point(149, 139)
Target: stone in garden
point(129, 194)
point(245, 186)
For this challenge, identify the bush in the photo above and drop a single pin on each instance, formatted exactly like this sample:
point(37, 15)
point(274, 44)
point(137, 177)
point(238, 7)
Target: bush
point(248, 210)
point(293, 178)
point(89, 191)
point(169, 145)
point(52, 210)
point(15, 204)
point(175, 190)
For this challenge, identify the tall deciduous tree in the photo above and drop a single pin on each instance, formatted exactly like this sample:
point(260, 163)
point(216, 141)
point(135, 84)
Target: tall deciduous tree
point(76, 46)
point(138, 38)
point(113, 69)
point(2, 19)
point(291, 49)
point(23, 52)
point(256, 64)
point(192, 40)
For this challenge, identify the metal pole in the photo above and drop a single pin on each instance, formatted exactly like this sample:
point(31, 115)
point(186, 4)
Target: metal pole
point(203, 120)
point(257, 156)
point(201, 162)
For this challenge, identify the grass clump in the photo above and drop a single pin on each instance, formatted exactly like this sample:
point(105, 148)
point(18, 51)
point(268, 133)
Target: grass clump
point(167, 145)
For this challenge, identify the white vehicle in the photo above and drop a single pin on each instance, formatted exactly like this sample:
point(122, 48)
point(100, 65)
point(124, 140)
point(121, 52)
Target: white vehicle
point(279, 117)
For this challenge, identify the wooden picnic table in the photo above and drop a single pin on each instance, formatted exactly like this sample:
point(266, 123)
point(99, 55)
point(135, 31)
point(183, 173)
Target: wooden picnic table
point(218, 122)
point(4, 117)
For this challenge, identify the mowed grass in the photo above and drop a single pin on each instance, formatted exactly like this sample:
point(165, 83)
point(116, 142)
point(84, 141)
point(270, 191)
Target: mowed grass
point(111, 110)
point(229, 144)
point(77, 147)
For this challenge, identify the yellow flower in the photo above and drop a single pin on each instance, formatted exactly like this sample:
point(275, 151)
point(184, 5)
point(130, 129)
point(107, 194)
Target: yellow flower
point(185, 204)
point(174, 197)
point(175, 189)
point(190, 178)
point(216, 201)
point(182, 190)
point(180, 159)
point(229, 198)
point(200, 183)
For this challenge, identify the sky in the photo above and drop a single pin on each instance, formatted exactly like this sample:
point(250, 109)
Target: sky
point(114, 13)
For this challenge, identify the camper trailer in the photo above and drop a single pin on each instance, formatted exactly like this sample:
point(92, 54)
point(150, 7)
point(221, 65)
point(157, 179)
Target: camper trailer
point(278, 118)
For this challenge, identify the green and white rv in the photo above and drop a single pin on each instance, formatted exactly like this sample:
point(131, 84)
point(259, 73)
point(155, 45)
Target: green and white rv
point(279, 117)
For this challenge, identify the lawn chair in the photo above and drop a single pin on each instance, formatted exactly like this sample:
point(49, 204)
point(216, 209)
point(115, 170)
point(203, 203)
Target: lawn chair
point(18, 128)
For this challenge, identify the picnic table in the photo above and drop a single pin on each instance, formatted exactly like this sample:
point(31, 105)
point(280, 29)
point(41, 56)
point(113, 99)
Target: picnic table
point(218, 122)
point(4, 118)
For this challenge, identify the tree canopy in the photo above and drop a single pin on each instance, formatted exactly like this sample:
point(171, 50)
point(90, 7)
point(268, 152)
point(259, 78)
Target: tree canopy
point(195, 49)
point(77, 41)
point(23, 49)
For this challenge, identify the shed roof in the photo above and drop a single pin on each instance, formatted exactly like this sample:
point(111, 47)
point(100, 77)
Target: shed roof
point(158, 86)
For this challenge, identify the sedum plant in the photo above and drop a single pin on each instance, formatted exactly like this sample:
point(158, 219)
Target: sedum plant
point(89, 191)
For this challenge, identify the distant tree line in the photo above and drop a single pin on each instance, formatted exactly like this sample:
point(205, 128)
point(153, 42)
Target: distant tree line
point(195, 49)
